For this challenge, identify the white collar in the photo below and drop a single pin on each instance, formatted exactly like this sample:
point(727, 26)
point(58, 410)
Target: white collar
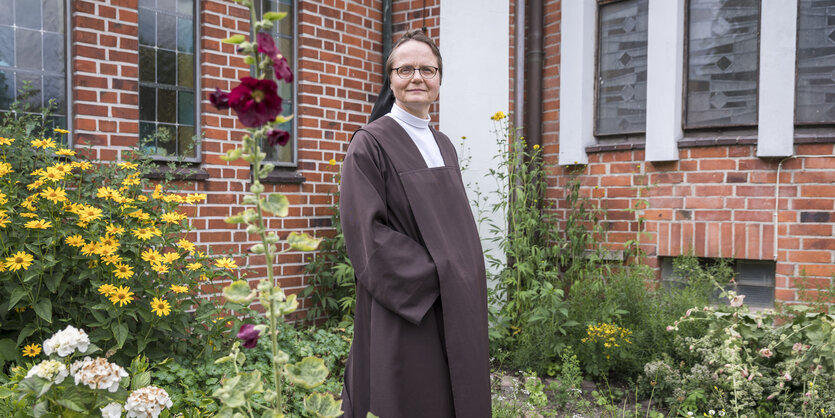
point(409, 118)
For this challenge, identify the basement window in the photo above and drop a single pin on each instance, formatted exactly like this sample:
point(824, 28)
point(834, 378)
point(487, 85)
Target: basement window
point(753, 278)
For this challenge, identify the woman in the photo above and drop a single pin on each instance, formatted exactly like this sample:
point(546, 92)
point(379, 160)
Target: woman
point(420, 344)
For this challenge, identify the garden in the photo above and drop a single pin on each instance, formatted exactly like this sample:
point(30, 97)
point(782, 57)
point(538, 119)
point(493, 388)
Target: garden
point(107, 309)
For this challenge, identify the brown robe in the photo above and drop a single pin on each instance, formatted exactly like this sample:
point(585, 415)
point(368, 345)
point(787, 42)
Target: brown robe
point(420, 344)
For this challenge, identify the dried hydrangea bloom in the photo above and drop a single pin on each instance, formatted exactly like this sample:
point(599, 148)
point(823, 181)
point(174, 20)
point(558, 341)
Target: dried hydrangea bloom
point(147, 402)
point(51, 370)
point(66, 341)
point(98, 373)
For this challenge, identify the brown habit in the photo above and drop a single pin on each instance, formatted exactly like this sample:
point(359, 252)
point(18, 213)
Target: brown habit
point(420, 332)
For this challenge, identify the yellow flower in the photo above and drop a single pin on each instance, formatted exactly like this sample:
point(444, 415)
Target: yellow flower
point(111, 259)
point(61, 168)
point(179, 289)
point(108, 241)
point(140, 214)
point(535, 146)
point(89, 213)
point(143, 233)
point(157, 192)
point(186, 245)
point(38, 224)
point(89, 248)
point(194, 266)
point(170, 257)
point(5, 168)
point(130, 181)
point(61, 131)
point(172, 217)
point(159, 268)
point(142, 198)
point(54, 195)
point(4, 221)
point(123, 271)
point(107, 289)
point(105, 192)
point(6, 141)
point(43, 143)
point(121, 296)
point(151, 256)
point(195, 198)
point(19, 260)
point(74, 241)
point(160, 307)
point(31, 350)
point(65, 153)
point(498, 116)
point(105, 250)
point(204, 278)
point(128, 165)
point(82, 165)
point(226, 263)
point(52, 175)
point(332, 162)
point(115, 230)
point(29, 215)
point(29, 202)
point(3, 199)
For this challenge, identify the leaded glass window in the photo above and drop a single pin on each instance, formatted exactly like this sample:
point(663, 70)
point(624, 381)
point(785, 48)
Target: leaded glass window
point(815, 101)
point(284, 34)
point(622, 67)
point(33, 52)
point(722, 63)
point(167, 78)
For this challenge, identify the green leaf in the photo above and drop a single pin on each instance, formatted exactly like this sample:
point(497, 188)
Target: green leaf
point(370, 415)
point(232, 154)
point(239, 292)
point(120, 332)
point(17, 294)
point(140, 380)
point(274, 16)
point(234, 40)
point(303, 242)
point(308, 373)
point(66, 403)
point(26, 332)
point(8, 349)
point(277, 204)
point(323, 405)
point(44, 309)
point(52, 281)
point(5, 393)
point(289, 305)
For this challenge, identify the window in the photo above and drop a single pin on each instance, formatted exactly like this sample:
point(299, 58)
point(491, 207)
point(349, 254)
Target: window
point(753, 278)
point(815, 83)
point(722, 63)
point(168, 79)
point(33, 51)
point(284, 33)
point(622, 67)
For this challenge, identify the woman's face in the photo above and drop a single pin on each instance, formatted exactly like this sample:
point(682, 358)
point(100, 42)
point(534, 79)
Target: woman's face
point(415, 94)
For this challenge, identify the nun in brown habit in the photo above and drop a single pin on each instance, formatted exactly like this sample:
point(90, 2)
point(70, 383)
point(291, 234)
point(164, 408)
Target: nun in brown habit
point(420, 344)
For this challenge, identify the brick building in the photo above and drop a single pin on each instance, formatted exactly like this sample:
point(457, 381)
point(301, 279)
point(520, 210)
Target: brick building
point(725, 108)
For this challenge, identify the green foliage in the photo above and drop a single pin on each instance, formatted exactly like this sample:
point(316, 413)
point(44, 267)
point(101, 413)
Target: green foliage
point(74, 244)
point(331, 290)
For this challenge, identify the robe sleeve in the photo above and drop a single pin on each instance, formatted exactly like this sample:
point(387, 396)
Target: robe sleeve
point(396, 270)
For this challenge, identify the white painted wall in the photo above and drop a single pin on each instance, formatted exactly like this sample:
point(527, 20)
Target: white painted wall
point(474, 44)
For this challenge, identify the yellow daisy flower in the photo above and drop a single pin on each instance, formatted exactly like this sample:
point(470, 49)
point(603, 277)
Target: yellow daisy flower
point(160, 307)
point(128, 165)
point(226, 263)
point(111, 259)
point(29, 215)
point(115, 230)
point(61, 168)
point(43, 143)
point(331, 162)
point(143, 233)
point(54, 195)
point(89, 248)
point(89, 213)
point(38, 224)
point(186, 245)
point(123, 271)
point(140, 214)
point(121, 296)
point(109, 241)
point(157, 192)
point(130, 181)
point(104, 250)
point(159, 268)
point(82, 165)
point(194, 266)
point(6, 141)
point(65, 153)
point(61, 131)
point(107, 289)
point(179, 289)
point(5, 168)
point(31, 350)
point(142, 198)
point(74, 240)
point(151, 256)
point(172, 217)
point(3, 199)
point(4, 221)
point(19, 260)
point(105, 192)
point(195, 198)
point(170, 257)
point(52, 175)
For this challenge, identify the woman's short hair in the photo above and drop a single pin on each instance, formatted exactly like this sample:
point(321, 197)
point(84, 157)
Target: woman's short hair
point(415, 35)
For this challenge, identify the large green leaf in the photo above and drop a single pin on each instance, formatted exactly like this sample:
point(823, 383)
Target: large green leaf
point(303, 242)
point(277, 204)
point(52, 281)
point(8, 349)
point(239, 292)
point(120, 332)
point(43, 307)
point(289, 305)
point(17, 294)
point(308, 373)
point(273, 16)
point(323, 405)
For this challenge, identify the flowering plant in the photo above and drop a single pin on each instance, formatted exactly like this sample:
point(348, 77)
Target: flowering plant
point(96, 242)
point(257, 104)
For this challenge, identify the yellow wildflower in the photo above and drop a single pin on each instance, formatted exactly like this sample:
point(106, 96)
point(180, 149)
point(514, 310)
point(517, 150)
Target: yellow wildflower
point(82, 165)
point(74, 241)
point(3, 222)
point(535, 146)
point(31, 350)
point(43, 143)
point(5, 168)
point(3, 198)
point(111, 259)
point(331, 162)
point(130, 181)
point(128, 165)
point(52, 175)
point(107, 289)
point(160, 307)
point(123, 271)
point(151, 256)
point(195, 198)
point(29, 215)
point(89, 248)
point(105, 192)
point(61, 168)
point(6, 141)
point(65, 153)
point(194, 266)
point(140, 214)
point(157, 192)
point(143, 233)
point(19, 260)
point(186, 245)
point(121, 296)
point(498, 116)
point(170, 257)
point(172, 217)
point(54, 195)
point(109, 241)
point(35, 185)
point(114, 230)
point(105, 250)
point(89, 213)
point(226, 263)
point(38, 224)
point(61, 131)
point(179, 289)
point(142, 198)
point(159, 268)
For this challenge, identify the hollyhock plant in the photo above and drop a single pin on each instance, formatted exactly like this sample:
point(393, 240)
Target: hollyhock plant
point(255, 101)
point(266, 46)
point(249, 335)
point(278, 137)
point(220, 99)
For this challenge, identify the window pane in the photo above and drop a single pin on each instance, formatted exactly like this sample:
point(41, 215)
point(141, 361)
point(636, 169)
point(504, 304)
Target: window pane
point(185, 7)
point(185, 141)
point(185, 70)
point(722, 63)
point(147, 64)
point(167, 140)
point(54, 88)
point(147, 103)
point(166, 31)
point(285, 45)
point(146, 137)
point(147, 27)
point(167, 5)
point(33, 94)
point(185, 35)
point(28, 13)
point(622, 72)
point(53, 52)
point(185, 108)
point(816, 62)
point(53, 16)
point(6, 89)
point(7, 46)
point(28, 48)
point(166, 67)
point(6, 13)
point(166, 105)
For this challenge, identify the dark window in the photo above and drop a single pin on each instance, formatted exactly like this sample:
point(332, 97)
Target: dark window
point(752, 278)
point(622, 68)
point(167, 78)
point(284, 34)
point(33, 53)
point(722, 63)
point(815, 101)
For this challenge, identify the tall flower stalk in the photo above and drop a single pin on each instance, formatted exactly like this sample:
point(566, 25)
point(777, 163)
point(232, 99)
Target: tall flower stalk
point(256, 102)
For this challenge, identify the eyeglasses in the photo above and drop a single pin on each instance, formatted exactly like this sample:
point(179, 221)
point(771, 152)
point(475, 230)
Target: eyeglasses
point(426, 72)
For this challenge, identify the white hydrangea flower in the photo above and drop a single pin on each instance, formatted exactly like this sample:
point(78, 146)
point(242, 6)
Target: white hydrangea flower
point(65, 342)
point(147, 402)
point(98, 373)
point(112, 410)
point(51, 370)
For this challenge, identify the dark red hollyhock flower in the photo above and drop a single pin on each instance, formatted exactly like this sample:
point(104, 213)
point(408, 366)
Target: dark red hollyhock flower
point(249, 334)
point(266, 46)
point(220, 99)
point(277, 137)
point(255, 101)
